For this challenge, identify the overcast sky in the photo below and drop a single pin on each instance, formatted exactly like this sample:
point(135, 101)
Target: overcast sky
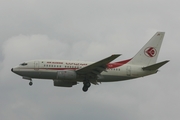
point(89, 31)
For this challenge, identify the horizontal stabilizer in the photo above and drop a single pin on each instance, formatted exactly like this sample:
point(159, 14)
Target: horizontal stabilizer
point(155, 66)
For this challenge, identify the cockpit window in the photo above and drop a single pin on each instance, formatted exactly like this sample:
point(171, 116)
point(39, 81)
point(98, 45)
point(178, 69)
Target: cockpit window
point(23, 64)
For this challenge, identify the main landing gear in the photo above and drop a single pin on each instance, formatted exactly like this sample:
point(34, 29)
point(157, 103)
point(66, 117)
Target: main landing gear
point(30, 83)
point(87, 84)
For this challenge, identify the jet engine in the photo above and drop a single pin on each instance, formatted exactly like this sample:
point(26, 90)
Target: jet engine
point(61, 83)
point(66, 75)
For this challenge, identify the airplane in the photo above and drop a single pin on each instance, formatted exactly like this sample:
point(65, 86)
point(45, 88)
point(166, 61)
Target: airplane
point(69, 73)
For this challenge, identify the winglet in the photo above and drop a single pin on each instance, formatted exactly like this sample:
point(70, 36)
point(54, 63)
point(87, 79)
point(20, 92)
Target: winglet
point(115, 55)
point(155, 66)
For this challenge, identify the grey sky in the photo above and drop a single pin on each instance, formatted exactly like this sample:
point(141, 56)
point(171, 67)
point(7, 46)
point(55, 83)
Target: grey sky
point(89, 31)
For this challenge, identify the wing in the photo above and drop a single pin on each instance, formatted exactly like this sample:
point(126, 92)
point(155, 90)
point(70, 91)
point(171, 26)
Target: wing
point(96, 68)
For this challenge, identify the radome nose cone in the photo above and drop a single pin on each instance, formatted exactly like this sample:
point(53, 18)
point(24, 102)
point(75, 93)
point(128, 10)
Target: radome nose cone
point(12, 69)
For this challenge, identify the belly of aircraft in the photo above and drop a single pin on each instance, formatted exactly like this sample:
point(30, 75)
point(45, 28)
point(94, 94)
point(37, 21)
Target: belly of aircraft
point(53, 75)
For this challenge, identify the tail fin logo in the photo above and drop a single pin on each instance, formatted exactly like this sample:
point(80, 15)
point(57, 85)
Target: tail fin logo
point(150, 52)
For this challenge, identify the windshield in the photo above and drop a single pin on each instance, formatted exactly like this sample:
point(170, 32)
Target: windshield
point(23, 64)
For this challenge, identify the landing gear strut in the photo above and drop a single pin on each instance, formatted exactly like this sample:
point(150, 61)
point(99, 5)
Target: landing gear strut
point(31, 83)
point(87, 84)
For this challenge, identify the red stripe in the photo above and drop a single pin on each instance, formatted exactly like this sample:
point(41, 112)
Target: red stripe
point(117, 64)
point(110, 65)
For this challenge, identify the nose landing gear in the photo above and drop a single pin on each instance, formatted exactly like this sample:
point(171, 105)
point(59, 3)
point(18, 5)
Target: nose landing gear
point(31, 83)
point(28, 78)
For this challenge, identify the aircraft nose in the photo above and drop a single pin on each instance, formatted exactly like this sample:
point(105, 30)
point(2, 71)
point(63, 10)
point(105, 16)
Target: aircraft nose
point(12, 69)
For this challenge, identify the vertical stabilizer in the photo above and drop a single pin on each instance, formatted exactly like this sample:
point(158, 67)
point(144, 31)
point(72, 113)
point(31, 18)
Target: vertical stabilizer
point(149, 53)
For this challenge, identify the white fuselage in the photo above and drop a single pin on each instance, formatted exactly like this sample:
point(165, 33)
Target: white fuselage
point(47, 69)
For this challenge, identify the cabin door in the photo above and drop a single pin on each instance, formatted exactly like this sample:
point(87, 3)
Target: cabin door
point(36, 65)
point(128, 70)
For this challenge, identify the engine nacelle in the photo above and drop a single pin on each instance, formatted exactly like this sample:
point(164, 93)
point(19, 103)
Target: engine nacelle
point(60, 83)
point(66, 75)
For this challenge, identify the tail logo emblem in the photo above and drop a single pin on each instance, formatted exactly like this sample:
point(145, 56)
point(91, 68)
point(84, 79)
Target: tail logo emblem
point(150, 52)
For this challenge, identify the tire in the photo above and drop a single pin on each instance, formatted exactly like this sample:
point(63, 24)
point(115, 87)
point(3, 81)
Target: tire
point(85, 89)
point(30, 83)
point(88, 84)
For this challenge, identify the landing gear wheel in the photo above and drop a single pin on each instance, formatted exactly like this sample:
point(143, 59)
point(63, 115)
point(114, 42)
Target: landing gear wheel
point(87, 84)
point(85, 88)
point(30, 83)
